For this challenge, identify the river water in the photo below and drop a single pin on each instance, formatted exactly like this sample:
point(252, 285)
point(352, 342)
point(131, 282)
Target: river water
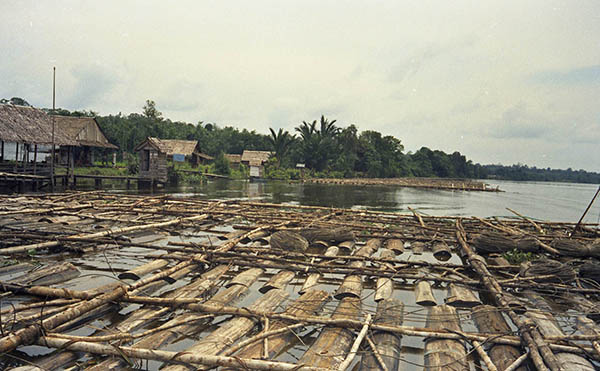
point(539, 200)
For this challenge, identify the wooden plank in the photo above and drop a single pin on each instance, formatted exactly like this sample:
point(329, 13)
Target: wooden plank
point(390, 312)
point(489, 319)
point(443, 354)
point(330, 348)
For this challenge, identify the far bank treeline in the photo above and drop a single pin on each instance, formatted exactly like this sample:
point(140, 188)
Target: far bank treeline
point(325, 148)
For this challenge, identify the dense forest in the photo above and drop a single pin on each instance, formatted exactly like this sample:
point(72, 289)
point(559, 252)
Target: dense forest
point(325, 148)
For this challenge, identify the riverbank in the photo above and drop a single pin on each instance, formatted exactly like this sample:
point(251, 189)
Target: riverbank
point(108, 275)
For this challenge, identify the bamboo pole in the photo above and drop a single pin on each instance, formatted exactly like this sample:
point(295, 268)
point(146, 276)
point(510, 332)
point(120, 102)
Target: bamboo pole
point(359, 339)
point(167, 356)
point(110, 232)
point(478, 263)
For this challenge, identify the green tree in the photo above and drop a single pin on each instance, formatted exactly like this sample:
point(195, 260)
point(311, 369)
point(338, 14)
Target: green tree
point(222, 164)
point(281, 142)
point(150, 110)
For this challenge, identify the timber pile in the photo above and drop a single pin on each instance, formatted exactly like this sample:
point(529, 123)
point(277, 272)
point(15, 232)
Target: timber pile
point(105, 281)
point(430, 183)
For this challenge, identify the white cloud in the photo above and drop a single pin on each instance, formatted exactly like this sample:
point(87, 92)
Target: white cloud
point(482, 78)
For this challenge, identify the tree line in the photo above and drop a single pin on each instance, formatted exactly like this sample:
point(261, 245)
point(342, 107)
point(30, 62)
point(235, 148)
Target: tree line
point(324, 147)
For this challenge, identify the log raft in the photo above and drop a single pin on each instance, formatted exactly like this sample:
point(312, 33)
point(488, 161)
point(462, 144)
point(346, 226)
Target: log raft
point(218, 278)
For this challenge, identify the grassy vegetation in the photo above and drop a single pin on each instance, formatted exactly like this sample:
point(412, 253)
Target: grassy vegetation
point(516, 256)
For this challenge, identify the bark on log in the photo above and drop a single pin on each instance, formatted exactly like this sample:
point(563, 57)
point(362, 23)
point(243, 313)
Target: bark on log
point(330, 348)
point(288, 241)
point(389, 312)
point(460, 296)
point(307, 304)
point(313, 279)
point(396, 245)
point(424, 295)
point(229, 332)
point(441, 251)
point(488, 319)
point(443, 355)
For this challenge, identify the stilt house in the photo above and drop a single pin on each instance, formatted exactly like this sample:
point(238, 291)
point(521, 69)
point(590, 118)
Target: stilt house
point(25, 129)
point(88, 135)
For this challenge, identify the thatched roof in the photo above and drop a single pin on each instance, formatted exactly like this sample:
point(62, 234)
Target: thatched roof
point(22, 124)
point(84, 130)
point(256, 158)
point(174, 146)
point(234, 159)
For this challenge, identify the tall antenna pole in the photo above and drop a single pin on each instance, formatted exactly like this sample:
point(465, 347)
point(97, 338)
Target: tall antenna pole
point(53, 108)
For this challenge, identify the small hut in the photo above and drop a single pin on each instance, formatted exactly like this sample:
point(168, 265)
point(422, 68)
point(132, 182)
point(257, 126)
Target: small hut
point(154, 154)
point(234, 160)
point(255, 160)
point(88, 135)
point(27, 128)
point(153, 159)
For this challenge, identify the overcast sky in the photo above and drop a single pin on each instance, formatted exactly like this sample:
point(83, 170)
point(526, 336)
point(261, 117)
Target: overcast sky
point(499, 81)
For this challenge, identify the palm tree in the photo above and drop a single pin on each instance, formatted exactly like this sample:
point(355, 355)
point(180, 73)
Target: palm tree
point(318, 145)
point(281, 143)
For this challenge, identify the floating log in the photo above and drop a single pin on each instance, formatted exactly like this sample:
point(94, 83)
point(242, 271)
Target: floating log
point(48, 275)
point(444, 354)
point(352, 285)
point(346, 246)
point(396, 245)
point(441, 251)
point(288, 241)
point(330, 348)
point(229, 332)
point(571, 247)
point(424, 295)
point(167, 356)
point(417, 247)
point(187, 322)
point(333, 235)
point(313, 279)
point(307, 304)
point(489, 319)
point(278, 281)
point(389, 312)
point(548, 326)
point(460, 296)
point(547, 270)
point(385, 285)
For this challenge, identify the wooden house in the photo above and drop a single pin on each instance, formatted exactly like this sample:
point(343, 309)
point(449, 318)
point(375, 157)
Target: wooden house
point(88, 135)
point(154, 154)
point(255, 160)
point(153, 159)
point(27, 128)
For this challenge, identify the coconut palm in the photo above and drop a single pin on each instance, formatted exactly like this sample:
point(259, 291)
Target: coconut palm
point(281, 142)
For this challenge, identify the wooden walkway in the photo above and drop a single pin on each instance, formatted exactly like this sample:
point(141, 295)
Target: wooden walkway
point(102, 281)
